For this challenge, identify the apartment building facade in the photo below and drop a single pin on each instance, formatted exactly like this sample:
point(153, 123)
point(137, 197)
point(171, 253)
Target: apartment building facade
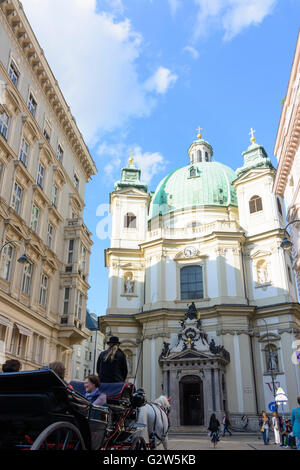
point(44, 167)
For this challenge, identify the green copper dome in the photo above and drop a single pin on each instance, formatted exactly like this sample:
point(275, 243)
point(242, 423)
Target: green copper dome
point(197, 184)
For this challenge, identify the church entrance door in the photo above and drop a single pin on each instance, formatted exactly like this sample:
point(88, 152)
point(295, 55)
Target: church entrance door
point(191, 401)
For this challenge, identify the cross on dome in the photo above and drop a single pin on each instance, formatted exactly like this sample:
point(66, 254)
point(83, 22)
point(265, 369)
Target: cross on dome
point(253, 139)
point(199, 129)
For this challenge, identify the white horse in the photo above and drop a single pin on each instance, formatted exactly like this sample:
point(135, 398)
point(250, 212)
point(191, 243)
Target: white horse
point(154, 416)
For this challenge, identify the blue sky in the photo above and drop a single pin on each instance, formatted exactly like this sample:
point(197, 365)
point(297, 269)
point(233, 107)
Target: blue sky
point(143, 74)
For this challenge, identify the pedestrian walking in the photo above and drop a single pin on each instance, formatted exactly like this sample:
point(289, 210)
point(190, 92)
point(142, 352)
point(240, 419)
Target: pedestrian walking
point(214, 427)
point(276, 427)
point(265, 427)
point(295, 421)
point(226, 425)
point(245, 421)
point(112, 364)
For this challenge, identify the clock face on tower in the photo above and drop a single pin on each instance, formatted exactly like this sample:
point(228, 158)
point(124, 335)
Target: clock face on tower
point(190, 251)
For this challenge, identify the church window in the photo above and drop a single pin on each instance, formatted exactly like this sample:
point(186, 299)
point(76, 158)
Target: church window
point(279, 206)
point(255, 204)
point(130, 220)
point(191, 282)
point(271, 355)
point(199, 156)
point(206, 157)
point(192, 172)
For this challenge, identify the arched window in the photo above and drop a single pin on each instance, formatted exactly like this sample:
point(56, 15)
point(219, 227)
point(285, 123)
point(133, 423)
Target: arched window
point(279, 206)
point(206, 157)
point(199, 156)
point(255, 204)
point(130, 220)
point(191, 282)
point(192, 172)
point(272, 364)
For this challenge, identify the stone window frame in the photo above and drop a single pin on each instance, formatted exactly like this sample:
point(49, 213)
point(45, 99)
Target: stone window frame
point(32, 94)
point(11, 249)
point(47, 129)
point(130, 218)
point(17, 203)
point(5, 125)
point(13, 65)
point(255, 204)
point(197, 261)
point(44, 291)
point(22, 152)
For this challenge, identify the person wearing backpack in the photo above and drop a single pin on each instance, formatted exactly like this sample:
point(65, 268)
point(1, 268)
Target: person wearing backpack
point(295, 420)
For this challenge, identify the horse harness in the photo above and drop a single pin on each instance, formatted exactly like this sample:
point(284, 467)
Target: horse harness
point(162, 410)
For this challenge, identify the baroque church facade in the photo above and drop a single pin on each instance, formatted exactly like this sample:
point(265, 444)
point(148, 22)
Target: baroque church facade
point(201, 294)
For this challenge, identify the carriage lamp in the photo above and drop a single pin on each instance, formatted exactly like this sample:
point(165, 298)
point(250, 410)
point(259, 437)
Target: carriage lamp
point(23, 259)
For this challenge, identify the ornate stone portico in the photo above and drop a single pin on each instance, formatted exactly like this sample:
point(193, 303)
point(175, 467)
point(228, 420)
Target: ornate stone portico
point(194, 374)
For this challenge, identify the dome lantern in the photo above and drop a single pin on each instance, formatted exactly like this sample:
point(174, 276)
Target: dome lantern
point(200, 150)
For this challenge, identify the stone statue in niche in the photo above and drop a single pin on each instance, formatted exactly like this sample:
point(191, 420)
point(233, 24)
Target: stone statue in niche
point(129, 286)
point(192, 312)
point(272, 360)
point(262, 273)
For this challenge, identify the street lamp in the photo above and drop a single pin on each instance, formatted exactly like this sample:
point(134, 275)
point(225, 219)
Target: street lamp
point(271, 369)
point(23, 259)
point(286, 244)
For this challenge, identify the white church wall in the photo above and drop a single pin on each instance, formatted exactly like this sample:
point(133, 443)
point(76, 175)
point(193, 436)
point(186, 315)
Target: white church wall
point(211, 276)
point(230, 272)
point(170, 273)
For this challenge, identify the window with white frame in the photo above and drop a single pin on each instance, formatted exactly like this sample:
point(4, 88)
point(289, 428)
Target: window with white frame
point(27, 278)
point(78, 306)
point(50, 236)
point(70, 251)
point(14, 73)
point(24, 152)
point(54, 196)
point(34, 223)
point(32, 104)
point(66, 300)
point(4, 121)
point(83, 252)
point(59, 153)
point(6, 262)
point(47, 130)
point(18, 343)
point(40, 175)
point(17, 198)
point(44, 291)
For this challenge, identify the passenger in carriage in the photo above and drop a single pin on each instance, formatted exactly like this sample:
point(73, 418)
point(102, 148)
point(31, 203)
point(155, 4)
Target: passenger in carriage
point(11, 365)
point(112, 364)
point(93, 394)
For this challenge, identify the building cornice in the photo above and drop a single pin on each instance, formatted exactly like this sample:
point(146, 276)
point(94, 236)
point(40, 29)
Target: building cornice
point(286, 145)
point(26, 39)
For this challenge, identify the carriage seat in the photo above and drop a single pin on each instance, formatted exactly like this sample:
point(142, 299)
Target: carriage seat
point(118, 394)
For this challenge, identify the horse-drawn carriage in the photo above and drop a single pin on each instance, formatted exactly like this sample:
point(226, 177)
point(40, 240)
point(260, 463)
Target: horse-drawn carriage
point(39, 411)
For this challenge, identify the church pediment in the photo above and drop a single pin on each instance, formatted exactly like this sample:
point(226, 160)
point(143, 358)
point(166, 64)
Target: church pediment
point(260, 254)
point(188, 354)
point(131, 192)
point(252, 174)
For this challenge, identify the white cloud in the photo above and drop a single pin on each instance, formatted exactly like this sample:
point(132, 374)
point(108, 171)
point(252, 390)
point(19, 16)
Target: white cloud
point(161, 80)
point(174, 5)
point(191, 50)
point(231, 15)
point(150, 163)
point(94, 57)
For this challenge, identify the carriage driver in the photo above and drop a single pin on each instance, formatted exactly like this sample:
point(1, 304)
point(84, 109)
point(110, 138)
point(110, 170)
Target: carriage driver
point(112, 364)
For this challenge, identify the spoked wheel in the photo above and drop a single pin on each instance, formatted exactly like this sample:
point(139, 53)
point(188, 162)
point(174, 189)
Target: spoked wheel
point(59, 436)
point(138, 443)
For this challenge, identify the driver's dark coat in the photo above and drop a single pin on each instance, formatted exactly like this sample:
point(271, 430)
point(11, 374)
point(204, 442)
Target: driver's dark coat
point(112, 371)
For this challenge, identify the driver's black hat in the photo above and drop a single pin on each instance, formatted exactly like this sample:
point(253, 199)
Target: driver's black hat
point(113, 340)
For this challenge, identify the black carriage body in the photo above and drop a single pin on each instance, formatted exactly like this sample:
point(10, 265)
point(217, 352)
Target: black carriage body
point(30, 401)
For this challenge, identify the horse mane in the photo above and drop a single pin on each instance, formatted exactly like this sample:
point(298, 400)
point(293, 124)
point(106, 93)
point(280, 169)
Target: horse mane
point(163, 401)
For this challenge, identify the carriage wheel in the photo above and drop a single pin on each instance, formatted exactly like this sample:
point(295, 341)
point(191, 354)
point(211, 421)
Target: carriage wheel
point(59, 436)
point(138, 443)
